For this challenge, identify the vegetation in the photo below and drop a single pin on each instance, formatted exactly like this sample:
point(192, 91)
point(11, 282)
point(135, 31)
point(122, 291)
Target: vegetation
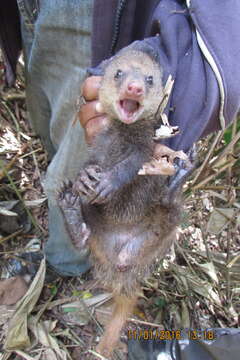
point(196, 286)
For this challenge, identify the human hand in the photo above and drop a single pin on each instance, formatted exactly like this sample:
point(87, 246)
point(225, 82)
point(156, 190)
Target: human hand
point(91, 118)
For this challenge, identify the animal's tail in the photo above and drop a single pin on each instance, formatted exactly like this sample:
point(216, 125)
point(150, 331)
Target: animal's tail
point(123, 308)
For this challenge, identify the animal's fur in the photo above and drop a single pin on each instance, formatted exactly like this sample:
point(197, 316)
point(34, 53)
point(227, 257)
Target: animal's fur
point(129, 223)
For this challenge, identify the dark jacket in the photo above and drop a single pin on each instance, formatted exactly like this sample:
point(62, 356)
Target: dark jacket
point(198, 44)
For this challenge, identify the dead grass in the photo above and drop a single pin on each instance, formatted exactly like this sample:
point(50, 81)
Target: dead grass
point(197, 285)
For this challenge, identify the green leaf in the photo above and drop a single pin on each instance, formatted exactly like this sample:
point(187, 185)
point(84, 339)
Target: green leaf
point(76, 292)
point(160, 302)
point(53, 290)
point(70, 309)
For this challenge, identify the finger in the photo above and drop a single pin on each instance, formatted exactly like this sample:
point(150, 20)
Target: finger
point(95, 126)
point(90, 88)
point(87, 112)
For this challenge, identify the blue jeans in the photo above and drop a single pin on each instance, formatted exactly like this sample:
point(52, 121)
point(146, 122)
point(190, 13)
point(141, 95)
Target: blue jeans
point(57, 48)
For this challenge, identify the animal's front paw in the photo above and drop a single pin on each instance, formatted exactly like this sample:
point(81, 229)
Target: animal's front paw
point(87, 181)
point(106, 187)
point(96, 185)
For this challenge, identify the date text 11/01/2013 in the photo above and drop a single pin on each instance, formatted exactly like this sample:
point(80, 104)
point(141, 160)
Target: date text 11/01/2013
point(171, 335)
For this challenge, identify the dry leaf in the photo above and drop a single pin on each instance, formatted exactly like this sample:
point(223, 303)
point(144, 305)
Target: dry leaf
point(219, 219)
point(17, 334)
point(77, 311)
point(210, 270)
point(204, 289)
point(6, 312)
point(6, 212)
point(157, 167)
point(185, 323)
point(103, 314)
point(26, 356)
point(12, 290)
point(42, 332)
point(162, 162)
point(166, 131)
point(49, 354)
point(175, 317)
point(35, 203)
point(8, 205)
point(196, 284)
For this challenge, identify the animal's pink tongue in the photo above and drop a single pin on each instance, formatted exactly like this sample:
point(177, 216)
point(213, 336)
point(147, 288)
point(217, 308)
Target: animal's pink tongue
point(129, 105)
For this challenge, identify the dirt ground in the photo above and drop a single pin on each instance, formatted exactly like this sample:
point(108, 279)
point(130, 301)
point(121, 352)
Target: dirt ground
point(196, 286)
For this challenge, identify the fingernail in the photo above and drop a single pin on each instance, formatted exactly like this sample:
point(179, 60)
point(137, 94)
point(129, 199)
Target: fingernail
point(99, 107)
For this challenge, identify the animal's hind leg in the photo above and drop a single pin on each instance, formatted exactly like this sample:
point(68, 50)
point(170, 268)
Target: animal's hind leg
point(123, 308)
point(70, 205)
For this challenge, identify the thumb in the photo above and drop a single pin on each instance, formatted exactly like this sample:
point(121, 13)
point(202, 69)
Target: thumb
point(99, 107)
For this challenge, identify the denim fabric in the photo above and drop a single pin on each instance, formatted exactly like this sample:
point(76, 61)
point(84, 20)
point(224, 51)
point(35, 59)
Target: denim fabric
point(57, 47)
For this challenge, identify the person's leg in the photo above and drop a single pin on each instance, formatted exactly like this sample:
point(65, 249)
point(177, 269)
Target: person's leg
point(57, 45)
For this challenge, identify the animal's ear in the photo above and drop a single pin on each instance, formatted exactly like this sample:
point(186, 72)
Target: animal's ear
point(146, 47)
point(96, 71)
point(99, 70)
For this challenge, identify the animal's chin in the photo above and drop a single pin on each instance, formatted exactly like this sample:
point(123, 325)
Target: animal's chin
point(129, 110)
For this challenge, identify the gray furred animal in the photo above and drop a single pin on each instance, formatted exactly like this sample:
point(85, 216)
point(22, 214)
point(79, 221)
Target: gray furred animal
point(122, 217)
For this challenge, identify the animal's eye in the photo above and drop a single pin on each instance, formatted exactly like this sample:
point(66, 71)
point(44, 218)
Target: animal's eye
point(118, 74)
point(149, 80)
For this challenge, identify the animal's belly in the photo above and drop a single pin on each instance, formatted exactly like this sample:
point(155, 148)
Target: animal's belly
point(124, 245)
point(123, 254)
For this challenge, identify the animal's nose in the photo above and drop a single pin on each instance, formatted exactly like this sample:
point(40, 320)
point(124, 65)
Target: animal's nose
point(135, 89)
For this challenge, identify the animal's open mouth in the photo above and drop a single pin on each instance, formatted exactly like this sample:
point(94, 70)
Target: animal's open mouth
point(129, 110)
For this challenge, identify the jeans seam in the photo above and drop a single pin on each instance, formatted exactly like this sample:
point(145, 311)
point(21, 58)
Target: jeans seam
point(28, 18)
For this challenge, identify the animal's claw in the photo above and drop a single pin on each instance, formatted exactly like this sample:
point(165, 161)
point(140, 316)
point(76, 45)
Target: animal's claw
point(64, 189)
point(81, 188)
point(68, 200)
point(94, 172)
point(104, 189)
point(70, 205)
point(184, 170)
point(87, 181)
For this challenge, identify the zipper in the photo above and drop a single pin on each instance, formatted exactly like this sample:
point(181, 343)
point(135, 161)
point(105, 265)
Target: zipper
point(216, 71)
point(120, 7)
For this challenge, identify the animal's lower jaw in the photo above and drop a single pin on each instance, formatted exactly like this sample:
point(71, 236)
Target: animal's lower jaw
point(128, 116)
